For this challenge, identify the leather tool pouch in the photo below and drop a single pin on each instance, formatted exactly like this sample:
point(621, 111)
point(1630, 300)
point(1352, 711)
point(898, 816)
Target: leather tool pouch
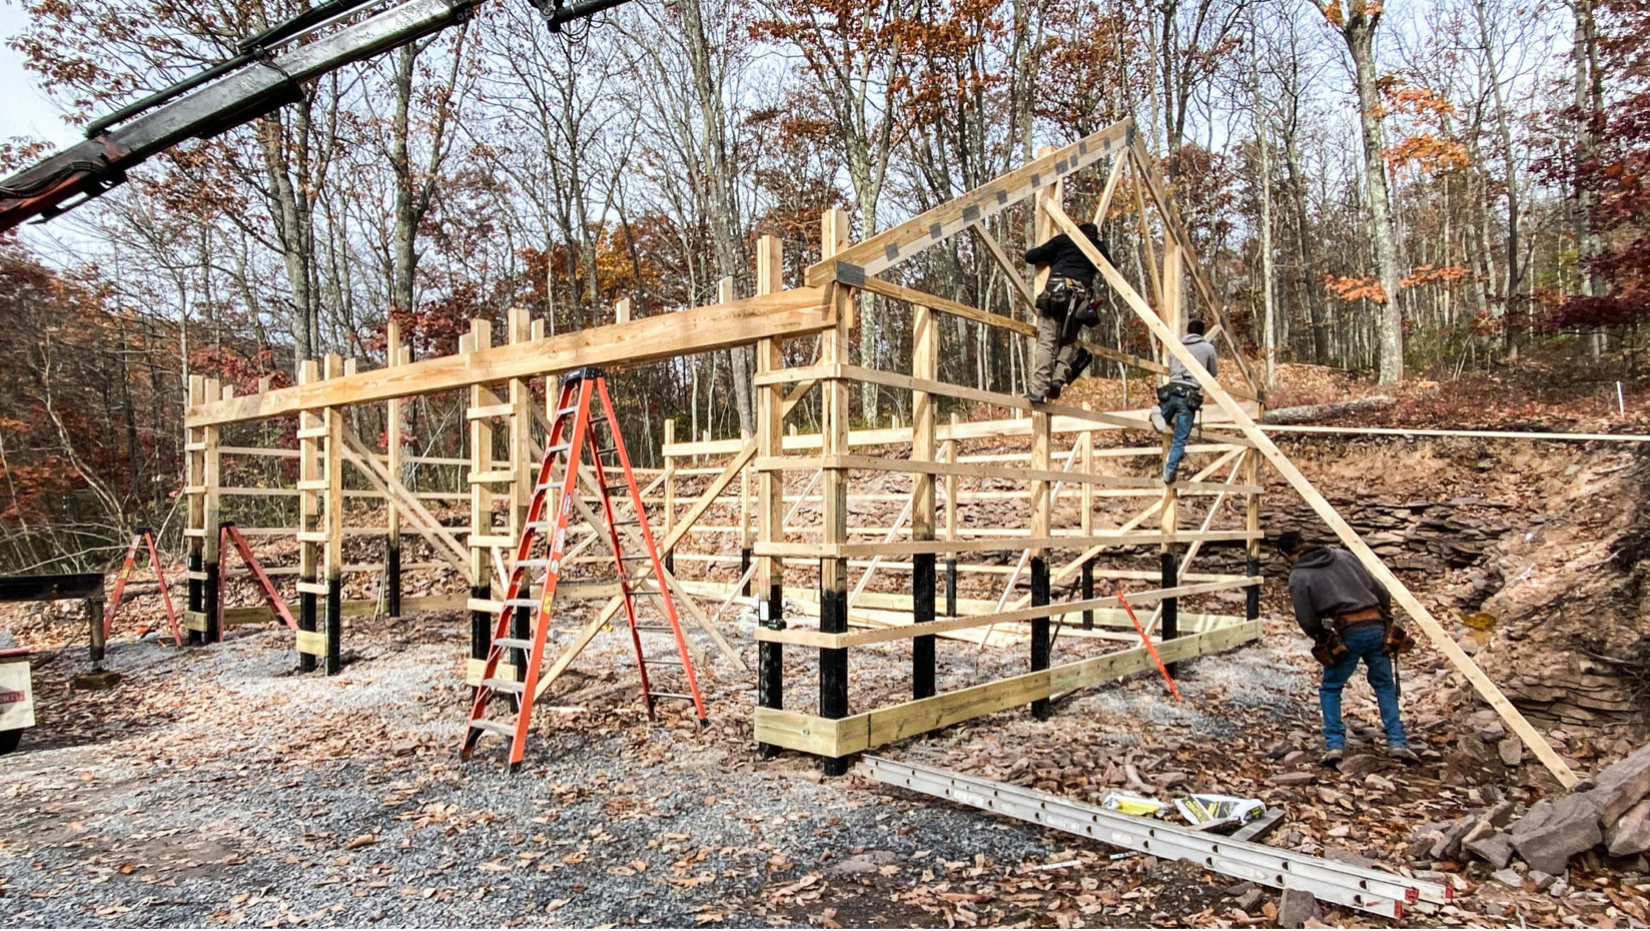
point(1398, 638)
point(1331, 649)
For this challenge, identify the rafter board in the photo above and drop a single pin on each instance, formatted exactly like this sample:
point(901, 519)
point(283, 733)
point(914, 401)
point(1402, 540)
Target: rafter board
point(1423, 618)
point(889, 248)
point(797, 312)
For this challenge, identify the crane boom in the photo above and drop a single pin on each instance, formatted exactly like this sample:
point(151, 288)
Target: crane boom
point(239, 90)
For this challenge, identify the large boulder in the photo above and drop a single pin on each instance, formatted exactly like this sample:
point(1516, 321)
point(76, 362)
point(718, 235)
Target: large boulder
point(1547, 837)
point(1622, 784)
point(1630, 833)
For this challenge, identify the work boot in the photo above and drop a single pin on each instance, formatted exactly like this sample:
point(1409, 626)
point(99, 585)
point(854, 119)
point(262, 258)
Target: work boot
point(1332, 757)
point(1158, 423)
point(1034, 398)
point(1403, 755)
point(1079, 364)
point(1053, 393)
point(1168, 477)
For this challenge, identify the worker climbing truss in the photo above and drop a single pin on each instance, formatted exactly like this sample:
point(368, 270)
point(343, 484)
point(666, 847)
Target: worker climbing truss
point(813, 322)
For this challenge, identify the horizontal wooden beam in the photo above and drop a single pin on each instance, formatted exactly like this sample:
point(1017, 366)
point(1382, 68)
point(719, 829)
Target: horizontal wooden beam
point(981, 470)
point(893, 246)
point(860, 732)
point(1076, 541)
point(784, 314)
point(803, 636)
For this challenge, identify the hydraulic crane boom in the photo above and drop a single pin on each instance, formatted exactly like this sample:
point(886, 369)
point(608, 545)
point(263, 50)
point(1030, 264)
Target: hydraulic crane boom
point(239, 90)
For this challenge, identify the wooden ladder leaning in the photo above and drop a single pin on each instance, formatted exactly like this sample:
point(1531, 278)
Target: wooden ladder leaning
point(577, 464)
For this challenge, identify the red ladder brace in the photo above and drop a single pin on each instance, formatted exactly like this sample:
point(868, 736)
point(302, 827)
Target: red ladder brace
point(572, 436)
point(227, 534)
point(141, 536)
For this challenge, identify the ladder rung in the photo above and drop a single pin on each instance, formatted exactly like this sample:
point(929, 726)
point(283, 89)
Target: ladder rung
point(504, 685)
point(612, 488)
point(561, 412)
point(670, 695)
point(503, 730)
point(658, 660)
point(558, 448)
point(653, 628)
point(511, 643)
point(521, 602)
point(629, 522)
point(534, 563)
point(636, 557)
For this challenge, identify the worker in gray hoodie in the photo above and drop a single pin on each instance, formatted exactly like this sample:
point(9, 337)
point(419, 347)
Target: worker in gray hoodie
point(1179, 401)
point(1345, 611)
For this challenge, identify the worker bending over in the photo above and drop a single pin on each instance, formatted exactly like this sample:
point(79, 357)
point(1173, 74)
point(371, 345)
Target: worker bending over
point(1065, 306)
point(1347, 613)
point(1179, 401)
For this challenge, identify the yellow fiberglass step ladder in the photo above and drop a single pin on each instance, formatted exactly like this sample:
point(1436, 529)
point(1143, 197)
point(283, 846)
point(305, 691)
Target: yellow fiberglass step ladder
point(575, 464)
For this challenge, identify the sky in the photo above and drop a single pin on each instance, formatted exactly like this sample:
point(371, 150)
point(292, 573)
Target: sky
point(27, 111)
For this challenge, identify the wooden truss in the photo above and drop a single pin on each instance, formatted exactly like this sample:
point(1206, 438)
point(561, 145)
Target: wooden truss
point(752, 478)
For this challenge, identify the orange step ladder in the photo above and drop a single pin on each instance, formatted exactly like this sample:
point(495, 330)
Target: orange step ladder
point(576, 465)
point(141, 537)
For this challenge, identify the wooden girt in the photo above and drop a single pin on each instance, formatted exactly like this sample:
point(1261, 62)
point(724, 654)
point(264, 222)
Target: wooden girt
point(784, 314)
point(891, 247)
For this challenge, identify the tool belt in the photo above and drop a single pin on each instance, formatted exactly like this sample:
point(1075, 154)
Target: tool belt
point(1179, 389)
point(1344, 621)
point(1330, 649)
point(1063, 297)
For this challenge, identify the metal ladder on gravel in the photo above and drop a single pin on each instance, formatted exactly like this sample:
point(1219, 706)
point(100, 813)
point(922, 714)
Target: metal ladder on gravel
point(524, 619)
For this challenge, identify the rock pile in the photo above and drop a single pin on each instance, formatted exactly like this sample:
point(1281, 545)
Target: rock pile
point(1611, 811)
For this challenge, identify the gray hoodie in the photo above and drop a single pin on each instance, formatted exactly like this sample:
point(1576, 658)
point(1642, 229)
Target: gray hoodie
point(1202, 350)
point(1327, 581)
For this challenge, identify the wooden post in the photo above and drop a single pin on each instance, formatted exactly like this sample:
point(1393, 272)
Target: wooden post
point(212, 501)
point(333, 421)
point(833, 571)
point(950, 450)
point(925, 362)
point(393, 463)
point(1041, 646)
point(1251, 476)
point(1170, 312)
point(481, 499)
point(745, 529)
point(519, 329)
point(309, 511)
point(195, 484)
point(670, 495)
point(770, 496)
point(621, 311)
point(1086, 439)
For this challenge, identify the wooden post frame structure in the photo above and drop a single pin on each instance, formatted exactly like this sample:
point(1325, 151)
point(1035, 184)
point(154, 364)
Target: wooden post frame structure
point(1217, 502)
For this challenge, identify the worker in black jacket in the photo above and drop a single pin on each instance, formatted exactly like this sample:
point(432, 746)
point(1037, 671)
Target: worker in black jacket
point(1065, 306)
point(1329, 584)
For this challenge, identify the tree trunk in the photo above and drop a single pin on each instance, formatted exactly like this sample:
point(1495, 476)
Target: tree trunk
point(1359, 32)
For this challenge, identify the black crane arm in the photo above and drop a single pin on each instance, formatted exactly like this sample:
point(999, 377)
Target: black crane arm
point(253, 83)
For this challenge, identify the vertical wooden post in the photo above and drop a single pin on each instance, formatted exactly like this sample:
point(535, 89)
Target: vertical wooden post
point(833, 570)
point(621, 311)
point(393, 462)
point(1170, 312)
point(211, 477)
point(481, 500)
point(309, 510)
point(670, 494)
point(745, 529)
point(1040, 643)
point(194, 536)
point(925, 362)
point(333, 420)
point(950, 450)
point(519, 329)
point(1251, 476)
point(1086, 438)
point(770, 495)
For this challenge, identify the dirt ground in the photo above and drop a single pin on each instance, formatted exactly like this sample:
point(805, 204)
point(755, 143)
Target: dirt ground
point(217, 786)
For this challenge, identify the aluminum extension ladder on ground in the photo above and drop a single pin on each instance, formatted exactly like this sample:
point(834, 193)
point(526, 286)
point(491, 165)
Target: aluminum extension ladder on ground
point(524, 620)
point(1372, 891)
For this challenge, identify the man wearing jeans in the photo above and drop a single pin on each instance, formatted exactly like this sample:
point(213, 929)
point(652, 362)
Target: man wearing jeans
point(1336, 597)
point(1179, 401)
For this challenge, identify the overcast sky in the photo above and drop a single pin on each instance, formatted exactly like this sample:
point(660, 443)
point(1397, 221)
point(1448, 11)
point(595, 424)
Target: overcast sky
point(27, 111)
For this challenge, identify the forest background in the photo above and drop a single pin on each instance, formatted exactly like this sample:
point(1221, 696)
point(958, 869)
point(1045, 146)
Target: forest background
point(1431, 190)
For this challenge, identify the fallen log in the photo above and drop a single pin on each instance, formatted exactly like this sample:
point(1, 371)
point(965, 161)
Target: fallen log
point(1307, 413)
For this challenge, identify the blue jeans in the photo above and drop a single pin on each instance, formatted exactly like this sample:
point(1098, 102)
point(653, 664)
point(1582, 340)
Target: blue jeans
point(1366, 642)
point(1179, 413)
